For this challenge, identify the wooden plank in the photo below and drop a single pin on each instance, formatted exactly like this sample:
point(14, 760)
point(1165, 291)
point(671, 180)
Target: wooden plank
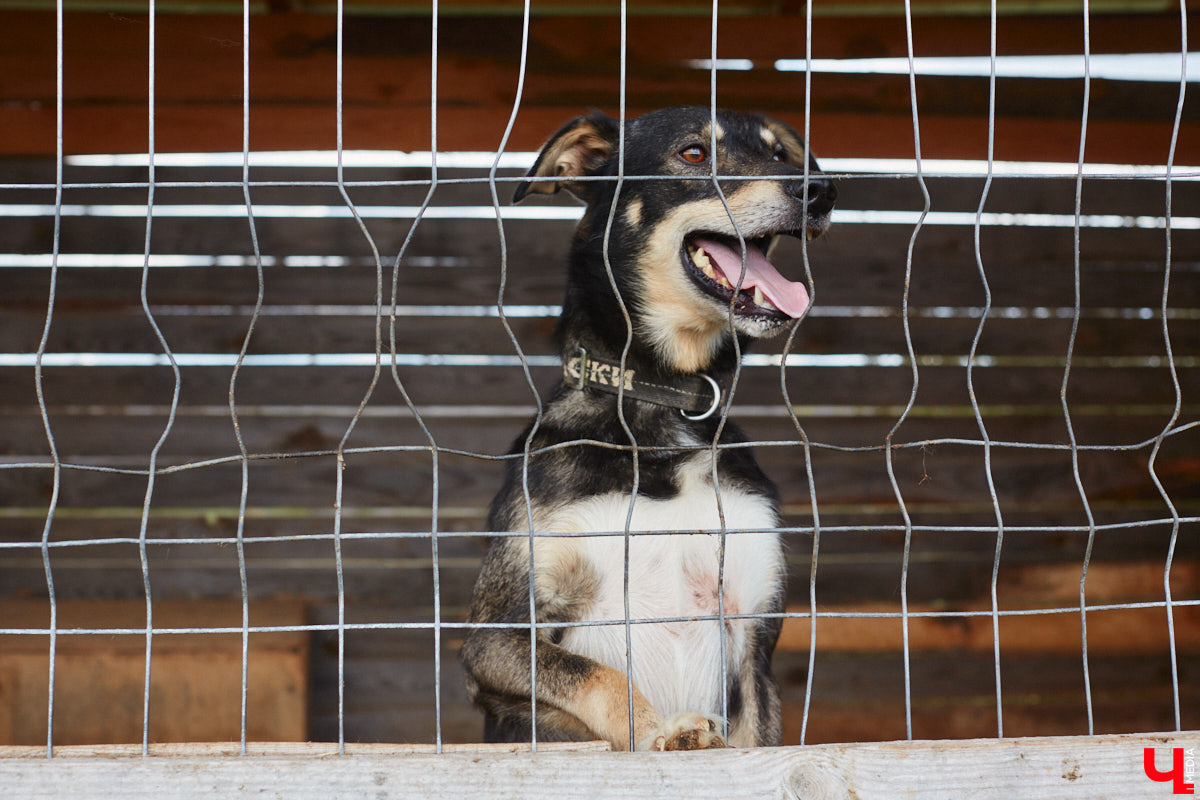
point(195, 681)
point(346, 386)
point(860, 697)
point(855, 696)
point(292, 74)
point(929, 476)
point(1060, 768)
point(282, 330)
point(829, 400)
point(588, 7)
point(192, 128)
point(452, 8)
point(305, 44)
point(292, 749)
point(378, 184)
point(1134, 632)
point(120, 614)
point(1028, 266)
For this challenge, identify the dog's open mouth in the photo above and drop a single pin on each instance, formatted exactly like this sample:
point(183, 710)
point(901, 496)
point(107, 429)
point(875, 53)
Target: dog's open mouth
point(714, 263)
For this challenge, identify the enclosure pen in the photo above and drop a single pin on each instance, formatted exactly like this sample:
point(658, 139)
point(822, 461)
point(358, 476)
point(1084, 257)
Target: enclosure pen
point(984, 429)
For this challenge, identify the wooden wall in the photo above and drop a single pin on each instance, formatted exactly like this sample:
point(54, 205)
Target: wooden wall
point(1120, 391)
point(573, 63)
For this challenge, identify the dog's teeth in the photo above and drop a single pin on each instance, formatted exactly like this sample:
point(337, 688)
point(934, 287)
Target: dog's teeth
point(761, 300)
point(704, 264)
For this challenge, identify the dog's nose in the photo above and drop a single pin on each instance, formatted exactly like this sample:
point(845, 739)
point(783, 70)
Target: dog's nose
point(822, 194)
point(821, 197)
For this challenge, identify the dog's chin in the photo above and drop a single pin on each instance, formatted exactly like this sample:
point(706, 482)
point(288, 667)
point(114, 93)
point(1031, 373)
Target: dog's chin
point(758, 327)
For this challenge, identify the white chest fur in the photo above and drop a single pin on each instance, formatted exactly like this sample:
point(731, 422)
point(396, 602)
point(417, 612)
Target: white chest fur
point(677, 664)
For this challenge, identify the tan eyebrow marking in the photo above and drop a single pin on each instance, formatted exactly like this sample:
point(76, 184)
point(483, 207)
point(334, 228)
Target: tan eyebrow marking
point(707, 130)
point(796, 152)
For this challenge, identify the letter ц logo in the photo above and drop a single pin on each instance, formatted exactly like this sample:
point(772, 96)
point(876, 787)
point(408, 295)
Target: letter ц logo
point(1177, 775)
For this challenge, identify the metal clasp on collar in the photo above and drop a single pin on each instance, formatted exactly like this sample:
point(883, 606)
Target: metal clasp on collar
point(716, 401)
point(576, 381)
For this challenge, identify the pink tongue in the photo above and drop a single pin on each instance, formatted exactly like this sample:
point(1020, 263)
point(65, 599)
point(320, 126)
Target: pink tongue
point(790, 297)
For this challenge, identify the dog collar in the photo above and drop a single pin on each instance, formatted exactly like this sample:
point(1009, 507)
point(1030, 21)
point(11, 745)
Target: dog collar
point(696, 396)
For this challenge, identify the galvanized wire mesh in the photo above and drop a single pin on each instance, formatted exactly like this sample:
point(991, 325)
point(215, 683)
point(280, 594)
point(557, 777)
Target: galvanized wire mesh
point(387, 356)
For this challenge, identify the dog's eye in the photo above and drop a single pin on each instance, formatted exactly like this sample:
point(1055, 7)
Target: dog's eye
point(694, 154)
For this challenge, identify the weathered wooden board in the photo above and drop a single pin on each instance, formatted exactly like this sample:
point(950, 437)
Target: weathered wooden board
point(943, 474)
point(128, 433)
point(1058, 768)
point(387, 80)
point(420, 8)
point(504, 384)
point(538, 247)
point(195, 679)
point(856, 696)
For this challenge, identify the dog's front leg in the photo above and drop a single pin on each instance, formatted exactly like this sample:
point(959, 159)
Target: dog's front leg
point(593, 694)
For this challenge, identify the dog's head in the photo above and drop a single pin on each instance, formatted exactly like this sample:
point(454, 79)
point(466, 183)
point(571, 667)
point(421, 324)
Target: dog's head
point(683, 254)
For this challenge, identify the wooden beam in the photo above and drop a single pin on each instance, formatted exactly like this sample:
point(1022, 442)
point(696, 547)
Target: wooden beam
point(573, 65)
point(1124, 632)
point(698, 8)
point(1132, 632)
point(1060, 768)
point(195, 682)
point(291, 749)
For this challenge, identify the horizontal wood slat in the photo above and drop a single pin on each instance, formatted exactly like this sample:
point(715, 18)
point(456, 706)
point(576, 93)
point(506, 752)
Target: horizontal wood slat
point(195, 681)
point(387, 82)
point(419, 8)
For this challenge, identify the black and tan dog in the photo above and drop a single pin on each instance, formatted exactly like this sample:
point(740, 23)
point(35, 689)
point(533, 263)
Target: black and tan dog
point(688, 276)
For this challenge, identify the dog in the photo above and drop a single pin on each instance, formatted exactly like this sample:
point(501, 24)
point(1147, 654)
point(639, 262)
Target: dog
point(684, 267)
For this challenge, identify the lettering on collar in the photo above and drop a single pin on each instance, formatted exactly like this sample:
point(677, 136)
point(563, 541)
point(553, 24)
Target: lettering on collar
point(599, 373)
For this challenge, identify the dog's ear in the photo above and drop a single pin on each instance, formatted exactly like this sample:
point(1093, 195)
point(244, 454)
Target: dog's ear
point(582, 147)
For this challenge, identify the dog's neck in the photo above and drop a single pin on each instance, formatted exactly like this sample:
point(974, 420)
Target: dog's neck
point(578, 327)
point(593, 319)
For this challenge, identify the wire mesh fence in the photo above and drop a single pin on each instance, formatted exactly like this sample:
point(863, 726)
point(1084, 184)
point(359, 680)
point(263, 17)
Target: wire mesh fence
point(379, 476)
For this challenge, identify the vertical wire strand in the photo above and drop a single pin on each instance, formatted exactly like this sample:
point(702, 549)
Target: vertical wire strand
point(537, 398)
point(434, 450)
point(908, 343)
point(341, 448)
point(1091, 537)
point(341, 459)
point(233, 414)
point(800, 431)
point(635, 457)
point(971, 361)
point(1158, 441)
point(39, 388)
point(714, 452)
point(152, 468)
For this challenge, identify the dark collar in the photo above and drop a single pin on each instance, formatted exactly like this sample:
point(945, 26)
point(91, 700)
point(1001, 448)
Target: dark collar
point(696, 396)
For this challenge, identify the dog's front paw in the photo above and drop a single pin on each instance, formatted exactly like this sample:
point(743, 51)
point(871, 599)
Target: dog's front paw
point(687, 731)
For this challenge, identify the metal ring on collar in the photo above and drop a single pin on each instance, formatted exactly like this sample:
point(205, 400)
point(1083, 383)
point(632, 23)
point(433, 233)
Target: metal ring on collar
point(712, 408)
